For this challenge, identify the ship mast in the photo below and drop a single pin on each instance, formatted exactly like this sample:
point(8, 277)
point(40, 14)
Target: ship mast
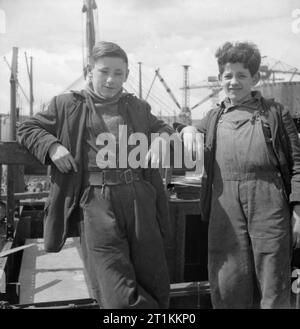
point(11, 169)
point(88, 8)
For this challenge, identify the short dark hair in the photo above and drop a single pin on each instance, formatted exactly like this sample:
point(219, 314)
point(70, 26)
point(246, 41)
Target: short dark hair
point(108, 49)
point(246, 53)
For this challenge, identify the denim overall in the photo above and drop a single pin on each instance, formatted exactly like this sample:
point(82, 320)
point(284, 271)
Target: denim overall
point(249, 228)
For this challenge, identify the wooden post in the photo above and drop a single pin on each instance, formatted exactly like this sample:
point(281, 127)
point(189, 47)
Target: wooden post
point(31, 88)
point(140, 81)
point(0, 163)
point(13, 94)
point(30, 77)
point(88, 7)
point(10, 211)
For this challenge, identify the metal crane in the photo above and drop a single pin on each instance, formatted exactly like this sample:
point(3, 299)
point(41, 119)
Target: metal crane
point(211, 95)
point(169, 91)
point(213, 84)
point(271, 67)
point(184, 115)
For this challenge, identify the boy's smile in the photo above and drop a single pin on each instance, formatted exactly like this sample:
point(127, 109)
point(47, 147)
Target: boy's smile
point(108, 76)
point(237, 82)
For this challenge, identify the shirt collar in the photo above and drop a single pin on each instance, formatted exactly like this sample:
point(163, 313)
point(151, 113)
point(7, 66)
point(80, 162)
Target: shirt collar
point(253, 98)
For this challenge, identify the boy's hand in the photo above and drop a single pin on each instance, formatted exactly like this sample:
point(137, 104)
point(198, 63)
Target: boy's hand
point(296, 226)
point(156, 153)
point(62, 158)
point(192, 141)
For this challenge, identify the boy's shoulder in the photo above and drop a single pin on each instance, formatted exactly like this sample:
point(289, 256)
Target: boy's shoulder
point(215, 110)
point(135, 102)
point(70, 97)
point(270, 104)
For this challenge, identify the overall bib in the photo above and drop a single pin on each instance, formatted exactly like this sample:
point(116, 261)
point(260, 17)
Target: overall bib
point(249, 226)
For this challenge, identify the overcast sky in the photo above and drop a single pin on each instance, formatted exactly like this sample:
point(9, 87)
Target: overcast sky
point(163, 34)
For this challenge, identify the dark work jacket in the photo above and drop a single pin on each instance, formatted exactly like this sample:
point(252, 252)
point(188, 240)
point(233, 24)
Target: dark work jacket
point(64, 122)
point(285, 142)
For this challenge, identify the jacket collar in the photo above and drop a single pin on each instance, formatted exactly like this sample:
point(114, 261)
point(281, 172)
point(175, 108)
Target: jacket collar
point(254, 98)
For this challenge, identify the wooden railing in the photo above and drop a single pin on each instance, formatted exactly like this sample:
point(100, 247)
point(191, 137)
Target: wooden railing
point(13, 155)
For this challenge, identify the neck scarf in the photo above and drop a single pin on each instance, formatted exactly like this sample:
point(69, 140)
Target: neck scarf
point(98, 99)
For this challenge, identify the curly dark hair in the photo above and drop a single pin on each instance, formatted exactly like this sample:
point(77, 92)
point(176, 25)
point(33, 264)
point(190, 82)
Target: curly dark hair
point(246, 53)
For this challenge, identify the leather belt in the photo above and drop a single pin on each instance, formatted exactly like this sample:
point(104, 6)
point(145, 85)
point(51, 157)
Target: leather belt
point(111, 177)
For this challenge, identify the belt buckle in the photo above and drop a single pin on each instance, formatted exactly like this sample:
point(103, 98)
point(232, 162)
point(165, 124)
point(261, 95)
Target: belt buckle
point(128, 176)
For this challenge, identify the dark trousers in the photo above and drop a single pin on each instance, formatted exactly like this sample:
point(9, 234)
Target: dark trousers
point(123, 248)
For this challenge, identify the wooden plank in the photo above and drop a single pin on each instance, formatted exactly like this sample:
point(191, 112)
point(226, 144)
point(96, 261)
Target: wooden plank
point(33, 202)
point(191, 295)
point(26, 195)
point(14, 153)
point(186, 288)
point(6, 253)
point(48, 277)
point(3, 262)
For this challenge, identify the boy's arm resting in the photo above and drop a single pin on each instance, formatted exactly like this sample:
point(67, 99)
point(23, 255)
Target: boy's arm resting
point(293, 143)
point(200, 125)
point(38, 134)
point(156, 125)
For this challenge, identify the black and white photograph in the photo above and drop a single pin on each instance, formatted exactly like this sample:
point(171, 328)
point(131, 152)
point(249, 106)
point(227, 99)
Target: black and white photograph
point(150, 157)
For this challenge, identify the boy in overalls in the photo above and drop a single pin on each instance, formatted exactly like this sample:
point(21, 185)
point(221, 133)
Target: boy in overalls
point(251, 193)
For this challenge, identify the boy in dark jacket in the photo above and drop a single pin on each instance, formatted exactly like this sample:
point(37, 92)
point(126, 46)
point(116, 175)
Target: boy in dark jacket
point(252, 162)
point(121, 209)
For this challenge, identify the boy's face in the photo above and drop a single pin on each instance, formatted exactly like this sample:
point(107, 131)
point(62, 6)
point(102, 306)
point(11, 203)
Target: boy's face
point(237, 81)
point(108, 75)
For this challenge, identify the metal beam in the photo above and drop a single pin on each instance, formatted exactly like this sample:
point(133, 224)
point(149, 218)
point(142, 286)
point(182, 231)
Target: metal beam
point(12, 153)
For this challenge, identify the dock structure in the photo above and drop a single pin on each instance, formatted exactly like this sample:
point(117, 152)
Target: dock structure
point(59, 279)
point(53, 277)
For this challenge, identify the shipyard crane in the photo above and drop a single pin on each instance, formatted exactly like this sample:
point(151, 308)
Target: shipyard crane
point(269, 73)
point(169, 91)
point(185, 109)
point(184, 115)
point(213, 84)
point(270, 67)
point(211, 95)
